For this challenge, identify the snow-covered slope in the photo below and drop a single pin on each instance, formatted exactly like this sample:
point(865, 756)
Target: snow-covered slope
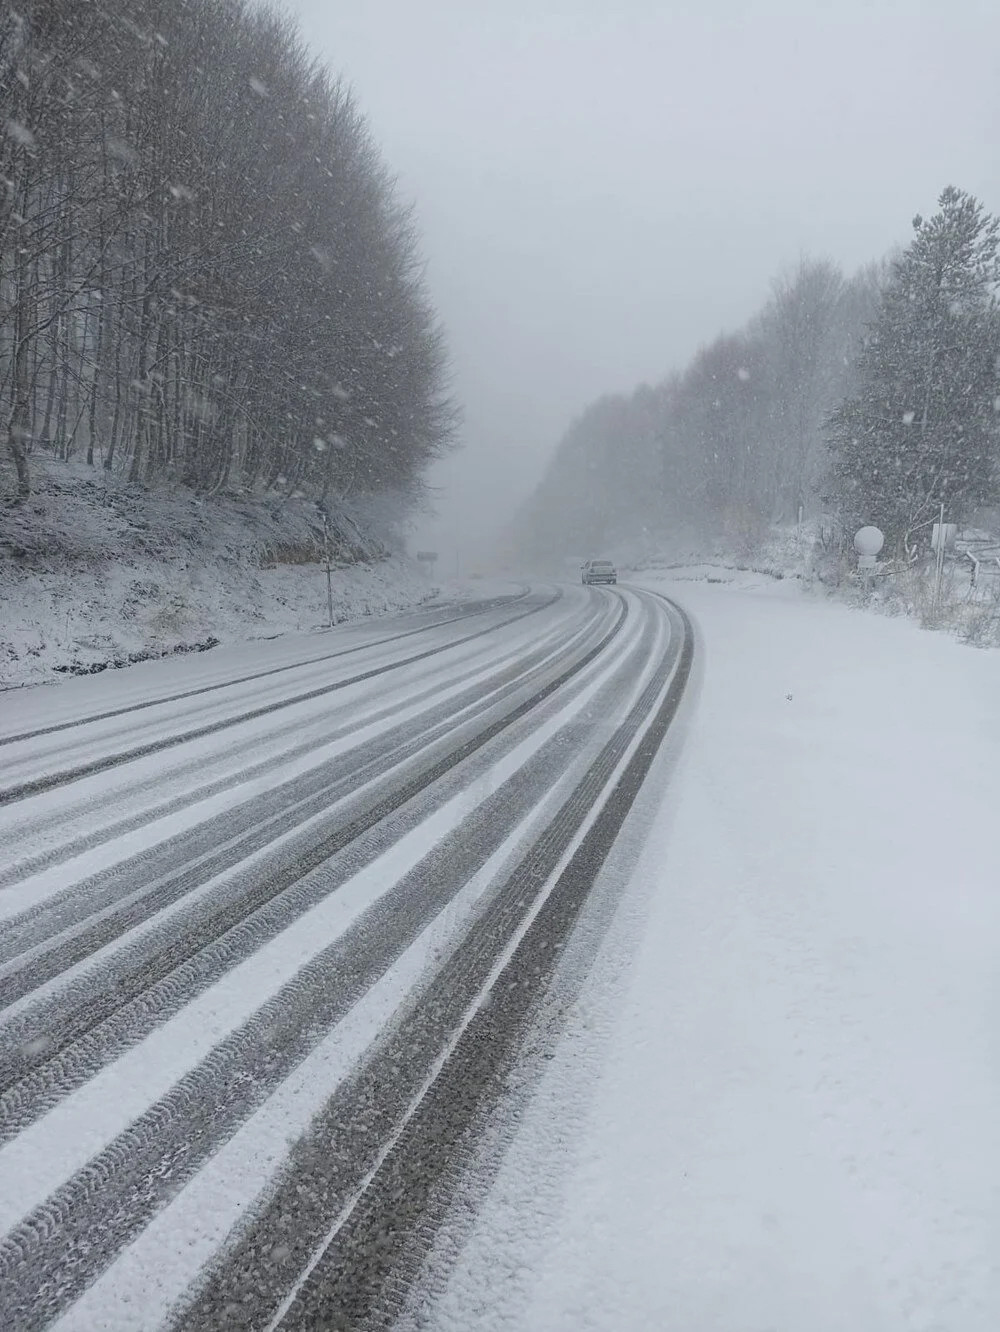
point(96, 574)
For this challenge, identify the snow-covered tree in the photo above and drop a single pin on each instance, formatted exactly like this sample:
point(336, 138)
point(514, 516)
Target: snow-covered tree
point(205, 275)
point(921, 428)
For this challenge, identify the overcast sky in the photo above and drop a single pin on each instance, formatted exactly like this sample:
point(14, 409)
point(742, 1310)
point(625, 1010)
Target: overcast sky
point(603, 185)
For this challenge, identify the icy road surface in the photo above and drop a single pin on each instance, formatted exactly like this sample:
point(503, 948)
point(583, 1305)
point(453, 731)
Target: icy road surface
point(273, 924)
point(776, 1103)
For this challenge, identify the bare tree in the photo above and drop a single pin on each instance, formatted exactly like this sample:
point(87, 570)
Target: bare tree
point(205, 275)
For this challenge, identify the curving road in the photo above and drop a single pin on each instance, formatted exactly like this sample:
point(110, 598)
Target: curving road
point(273, 925)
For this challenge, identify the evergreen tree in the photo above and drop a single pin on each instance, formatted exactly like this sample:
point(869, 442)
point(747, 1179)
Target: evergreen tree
point(922, 428)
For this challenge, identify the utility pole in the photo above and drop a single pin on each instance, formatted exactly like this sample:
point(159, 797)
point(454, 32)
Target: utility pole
point(329, 577)
point(939, 561)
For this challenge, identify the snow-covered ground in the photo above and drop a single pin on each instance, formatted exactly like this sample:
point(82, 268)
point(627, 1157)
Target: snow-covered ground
point(967, 610)
point(94, 573)
point(197, 857)
point(774, 1104)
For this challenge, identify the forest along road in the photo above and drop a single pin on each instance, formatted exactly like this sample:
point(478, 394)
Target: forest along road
point(273, 924)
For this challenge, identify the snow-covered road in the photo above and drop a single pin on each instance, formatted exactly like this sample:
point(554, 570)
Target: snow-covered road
point(273, 922)
point(775, 1102)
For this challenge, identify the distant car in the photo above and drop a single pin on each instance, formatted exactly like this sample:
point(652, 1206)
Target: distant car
point(599, 571)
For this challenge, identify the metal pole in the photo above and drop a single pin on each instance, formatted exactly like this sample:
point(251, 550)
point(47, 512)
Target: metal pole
point(939, 563)
point(329, 579)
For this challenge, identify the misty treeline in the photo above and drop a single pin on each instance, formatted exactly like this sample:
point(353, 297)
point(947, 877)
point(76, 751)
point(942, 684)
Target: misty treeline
point(866, 399)
point(205, 276)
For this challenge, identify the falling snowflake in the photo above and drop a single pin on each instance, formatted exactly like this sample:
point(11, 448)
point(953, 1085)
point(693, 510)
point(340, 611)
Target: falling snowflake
point(908, 418)
point(200, 408)
point(261, 89)
point(21, 135)
point(120, 149)
point(743, 374)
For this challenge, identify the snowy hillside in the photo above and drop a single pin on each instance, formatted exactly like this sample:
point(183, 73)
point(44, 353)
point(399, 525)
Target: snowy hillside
point(96, 574)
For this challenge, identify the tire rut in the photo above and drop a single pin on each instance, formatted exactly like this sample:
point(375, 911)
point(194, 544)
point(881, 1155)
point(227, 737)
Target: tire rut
point(200, 789)
point(369, 1259)
point(63, 1245)
point(35, 1041)
point(477, 608)
point(229, 837)
point(48, 782)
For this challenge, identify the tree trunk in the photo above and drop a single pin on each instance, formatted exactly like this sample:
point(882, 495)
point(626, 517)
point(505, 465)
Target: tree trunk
point(95, 386)
point(142, 451)
point(20, 416)
point(116, 419)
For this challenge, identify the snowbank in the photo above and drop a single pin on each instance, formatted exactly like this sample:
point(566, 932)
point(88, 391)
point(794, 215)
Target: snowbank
point(775, 1104)
point(96, 574)
point(807, 554)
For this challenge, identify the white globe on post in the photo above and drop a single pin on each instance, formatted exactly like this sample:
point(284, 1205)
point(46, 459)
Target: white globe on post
point(868, 541)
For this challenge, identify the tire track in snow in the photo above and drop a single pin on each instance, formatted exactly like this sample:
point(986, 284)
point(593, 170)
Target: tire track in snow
point(50, 780)
point(72, 1233)
point(224, 840)
point(88, 1220)
point(80, 820)
point(476, 608)
point(140, 986)
point(359, 1208)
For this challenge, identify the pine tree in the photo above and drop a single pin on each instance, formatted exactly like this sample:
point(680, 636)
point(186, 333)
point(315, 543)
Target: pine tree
point(923, 427)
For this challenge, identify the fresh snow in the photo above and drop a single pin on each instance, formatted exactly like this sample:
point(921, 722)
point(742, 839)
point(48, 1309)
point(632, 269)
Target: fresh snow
point(367, 699)
point(93, 572)
point(231, 1183)
point(774, 1103)
point(86, 1121)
